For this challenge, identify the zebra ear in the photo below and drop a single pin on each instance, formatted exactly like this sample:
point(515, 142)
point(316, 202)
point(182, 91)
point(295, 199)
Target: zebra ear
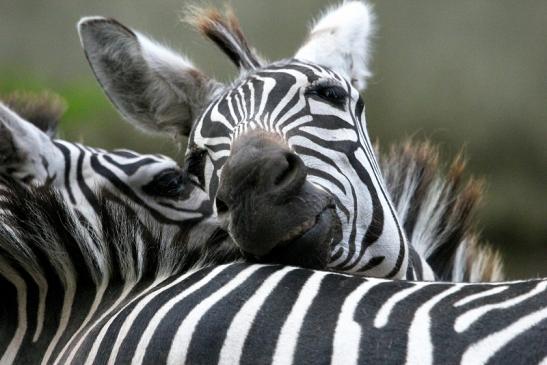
point(340, 40)
point(24, 149)
point(153, 87)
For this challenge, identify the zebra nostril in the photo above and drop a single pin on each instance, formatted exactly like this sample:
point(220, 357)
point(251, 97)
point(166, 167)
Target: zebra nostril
point(222, 207)
point(290, 170)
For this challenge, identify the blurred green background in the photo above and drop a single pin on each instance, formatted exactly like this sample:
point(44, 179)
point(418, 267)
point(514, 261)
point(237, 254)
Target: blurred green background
point(462, 73)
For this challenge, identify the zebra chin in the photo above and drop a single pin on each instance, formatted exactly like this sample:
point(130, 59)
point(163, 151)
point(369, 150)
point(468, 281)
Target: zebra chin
point(308, 245)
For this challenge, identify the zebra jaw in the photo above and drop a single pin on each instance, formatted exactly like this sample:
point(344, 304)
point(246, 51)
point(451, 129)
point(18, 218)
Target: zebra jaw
point(309, 244)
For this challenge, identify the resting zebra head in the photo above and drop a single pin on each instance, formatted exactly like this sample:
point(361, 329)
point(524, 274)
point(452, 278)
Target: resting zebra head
point(283, 150)
point(30, 155)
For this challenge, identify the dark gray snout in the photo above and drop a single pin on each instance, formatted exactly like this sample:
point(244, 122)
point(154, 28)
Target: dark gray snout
point(274, 214)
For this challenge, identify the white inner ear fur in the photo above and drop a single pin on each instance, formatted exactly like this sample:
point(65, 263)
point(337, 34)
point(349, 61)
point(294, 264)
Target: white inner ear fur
point(340, 40)
point(159, 57)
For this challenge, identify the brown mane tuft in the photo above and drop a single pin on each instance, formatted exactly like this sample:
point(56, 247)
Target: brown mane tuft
point(437, 209)
point(225, 31)
point(43, 109)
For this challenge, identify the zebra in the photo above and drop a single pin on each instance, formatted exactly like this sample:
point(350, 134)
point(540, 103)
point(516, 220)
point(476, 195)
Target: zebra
point(31, 218)
point(316, 194)
point(121, 297)
point(32, 156)
point(146, 312)
point(159, 177)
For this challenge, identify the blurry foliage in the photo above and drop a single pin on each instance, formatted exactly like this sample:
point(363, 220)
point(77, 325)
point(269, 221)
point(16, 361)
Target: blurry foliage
point(469, 74)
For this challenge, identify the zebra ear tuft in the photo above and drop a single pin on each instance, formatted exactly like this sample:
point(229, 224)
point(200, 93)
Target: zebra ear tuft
point(153, 87)
point(44, 109)
point(22, 144)
point(340, 39)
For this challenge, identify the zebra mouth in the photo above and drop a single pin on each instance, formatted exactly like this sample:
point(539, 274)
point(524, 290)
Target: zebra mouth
point(309, 244)
point(309, 227)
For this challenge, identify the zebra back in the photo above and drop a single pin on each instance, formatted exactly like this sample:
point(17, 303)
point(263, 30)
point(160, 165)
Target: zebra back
point(116, 296)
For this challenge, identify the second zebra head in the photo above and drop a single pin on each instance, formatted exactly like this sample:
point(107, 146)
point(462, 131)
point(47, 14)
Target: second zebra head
point(31, 156)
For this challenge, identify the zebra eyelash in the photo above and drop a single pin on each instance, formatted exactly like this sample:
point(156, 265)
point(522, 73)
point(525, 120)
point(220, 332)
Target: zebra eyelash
point(328, 90)
point(194, 164)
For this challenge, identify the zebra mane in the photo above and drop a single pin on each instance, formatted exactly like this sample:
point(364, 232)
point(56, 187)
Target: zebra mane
point(43, 109)
point(225, 31)
point(437, 210)
point(41, 236)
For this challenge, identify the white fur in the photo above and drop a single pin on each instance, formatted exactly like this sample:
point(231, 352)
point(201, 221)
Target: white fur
point(420, 345)
point(159, 56)
point(480, 352)
point(290, 332)
point(341, 40)
point(238, 331)
point(85, 20)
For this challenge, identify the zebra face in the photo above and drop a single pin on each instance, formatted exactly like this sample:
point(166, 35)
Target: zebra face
point(289, 163)
point(283, 150)
point(154, 183)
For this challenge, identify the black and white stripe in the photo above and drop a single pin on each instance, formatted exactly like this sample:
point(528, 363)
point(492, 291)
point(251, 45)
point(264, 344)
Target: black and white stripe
point(163, 91)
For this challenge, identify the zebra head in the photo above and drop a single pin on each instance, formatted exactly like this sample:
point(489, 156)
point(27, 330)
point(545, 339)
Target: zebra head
point(283, 150)
point(30, 155)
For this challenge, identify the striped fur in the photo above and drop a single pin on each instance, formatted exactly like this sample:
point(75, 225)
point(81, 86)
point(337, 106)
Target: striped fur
point(154, 183)
point(413, 163)
point(118, 294)
point(412, 176)
point(373, 242)
point(183, 300)
point(356, 252)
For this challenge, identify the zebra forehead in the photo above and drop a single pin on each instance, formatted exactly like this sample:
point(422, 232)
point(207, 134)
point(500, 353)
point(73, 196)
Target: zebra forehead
point(296, 67)
point(284, 74)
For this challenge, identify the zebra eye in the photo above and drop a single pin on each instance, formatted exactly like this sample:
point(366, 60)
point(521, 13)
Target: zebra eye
point(328, 91)
point(169, 183)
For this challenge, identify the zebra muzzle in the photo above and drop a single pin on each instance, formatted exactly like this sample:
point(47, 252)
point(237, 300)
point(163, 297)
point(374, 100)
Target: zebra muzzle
point(273, 212)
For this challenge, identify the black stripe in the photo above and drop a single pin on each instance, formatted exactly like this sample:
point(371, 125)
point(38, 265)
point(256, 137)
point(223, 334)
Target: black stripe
point(66, 155)
point(126, 190)
point(130, 168)
point(262, 338)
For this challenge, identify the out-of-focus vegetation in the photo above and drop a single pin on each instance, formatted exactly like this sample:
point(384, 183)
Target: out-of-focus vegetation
point(469, 74)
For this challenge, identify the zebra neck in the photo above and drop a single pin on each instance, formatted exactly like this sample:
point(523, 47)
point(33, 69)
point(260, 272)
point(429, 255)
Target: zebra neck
point(58, 273)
